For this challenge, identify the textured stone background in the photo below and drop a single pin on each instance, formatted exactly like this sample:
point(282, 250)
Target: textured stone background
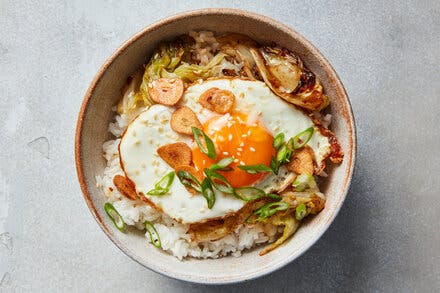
point(387, 235)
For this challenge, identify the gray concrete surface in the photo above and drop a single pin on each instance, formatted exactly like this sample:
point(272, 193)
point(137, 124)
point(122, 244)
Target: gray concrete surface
point(386, 237)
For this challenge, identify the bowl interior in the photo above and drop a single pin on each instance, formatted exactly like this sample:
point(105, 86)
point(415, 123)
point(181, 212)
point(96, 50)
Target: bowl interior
point(104, 92)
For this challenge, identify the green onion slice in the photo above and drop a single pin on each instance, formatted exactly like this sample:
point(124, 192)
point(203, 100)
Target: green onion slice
point(208, 192)
point(254, 169)
point(270, 209)
point(248, 193)
point(209, 149)
point(278, 140)
point(290, 149)
point(157, 192)
point(218, 181)
point(274, 165)
point(188, 180)
point(222, 164)
point(302, 138)
point(304, 182)
point(274, 196)
point(154, 236)
point(163, 185)
point(282, 153)
point(285, 152)
point(165, 182)
point(300, 212)
point(114, 216)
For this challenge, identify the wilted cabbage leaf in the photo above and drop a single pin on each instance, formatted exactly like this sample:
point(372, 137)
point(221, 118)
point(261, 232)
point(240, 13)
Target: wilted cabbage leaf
point(165, 59)
point(290, 226)
point(285, 74)
point(172, 60)
point(192, 72)
point(238, 47)
point(212, 230)
point(131, 103)
point(314, 202)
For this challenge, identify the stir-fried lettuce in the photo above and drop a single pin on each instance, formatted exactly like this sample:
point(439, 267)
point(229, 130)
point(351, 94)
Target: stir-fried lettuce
point(280, 69)
point(305, 203)
point(132, 102)
point(165, 59)
point(237, 55)
point(173, 59)
point(238, 47)
point(192, 72)
point(286, 75)
point(290, 225)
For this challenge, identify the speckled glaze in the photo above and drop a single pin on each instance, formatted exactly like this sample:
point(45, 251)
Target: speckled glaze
point(105, 90)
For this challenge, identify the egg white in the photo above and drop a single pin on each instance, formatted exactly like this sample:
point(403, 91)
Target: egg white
point(141, 163)
point(151, 129)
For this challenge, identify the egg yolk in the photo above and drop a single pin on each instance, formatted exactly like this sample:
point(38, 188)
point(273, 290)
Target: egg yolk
point(248, 144)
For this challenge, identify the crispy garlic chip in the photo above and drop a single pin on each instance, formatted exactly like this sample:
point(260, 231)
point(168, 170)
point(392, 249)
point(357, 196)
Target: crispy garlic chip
point(166, 91)
point(125, 186)
point(183, 119)
point(175, 154)
point(217, 100)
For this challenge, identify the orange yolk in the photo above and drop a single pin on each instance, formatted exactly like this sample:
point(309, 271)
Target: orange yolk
point(248, 144)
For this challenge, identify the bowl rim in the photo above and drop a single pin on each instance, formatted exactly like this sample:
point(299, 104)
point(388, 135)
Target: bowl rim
point(325, 64)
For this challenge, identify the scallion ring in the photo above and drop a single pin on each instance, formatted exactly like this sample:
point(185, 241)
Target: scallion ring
point(254, 169)
point(165, 182)
point(188, 180)
point(278, 140)
point(300, 212)
point(157, 192)
point(208, 149)
point(248, 193)
point(274, 165)
point(154, 236)
point(218, 181)
point(208, 192)
point(114, 216)
point(162, 186)
point(270, 209)
point(302, 138)
point(274, 196)
point(281, 154)
point(290, 149)
point(222, 164)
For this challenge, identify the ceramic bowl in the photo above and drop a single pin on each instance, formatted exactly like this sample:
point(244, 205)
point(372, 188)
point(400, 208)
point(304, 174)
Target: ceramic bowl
point(105, 90)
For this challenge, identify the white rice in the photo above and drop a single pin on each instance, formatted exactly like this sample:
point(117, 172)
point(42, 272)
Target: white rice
point(173, 235)
point(205, 46)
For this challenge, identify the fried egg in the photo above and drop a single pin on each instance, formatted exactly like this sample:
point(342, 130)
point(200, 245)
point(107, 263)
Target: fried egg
point(246, 134)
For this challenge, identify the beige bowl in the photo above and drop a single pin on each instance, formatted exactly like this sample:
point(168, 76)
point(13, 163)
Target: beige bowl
point(105, 90)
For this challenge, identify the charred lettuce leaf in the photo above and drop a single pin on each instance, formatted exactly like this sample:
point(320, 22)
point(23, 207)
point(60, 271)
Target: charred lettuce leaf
point(173, 60)
point(192, 72)
point(238, 47)
point(165, 59)
point(286, 75)
point(313, 203)
point(290, 226)
point(131, 103)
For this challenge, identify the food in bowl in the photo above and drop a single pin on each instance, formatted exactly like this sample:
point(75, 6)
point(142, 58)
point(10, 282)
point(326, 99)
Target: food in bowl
point(219, 146)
